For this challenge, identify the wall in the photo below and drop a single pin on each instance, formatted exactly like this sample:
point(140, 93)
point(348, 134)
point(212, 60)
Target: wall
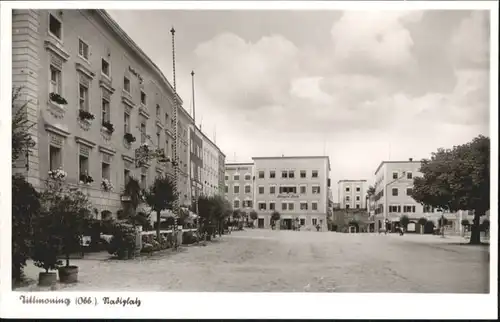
point(62, 124)
point(297, 164)
point(240, 169)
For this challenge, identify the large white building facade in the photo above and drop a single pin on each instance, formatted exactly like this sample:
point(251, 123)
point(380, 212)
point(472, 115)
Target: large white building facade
point(296, 187)
point(239, 178)
point(352, 194)
point(210, 171)
point(393, 189)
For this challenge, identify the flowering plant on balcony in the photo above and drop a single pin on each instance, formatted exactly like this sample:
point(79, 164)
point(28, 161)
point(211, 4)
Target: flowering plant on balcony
point(85, 115)
point(58, 174)
point(86, 179)
point(106, 185)
point(109, 126)
point(129, 137)
point(54, 97)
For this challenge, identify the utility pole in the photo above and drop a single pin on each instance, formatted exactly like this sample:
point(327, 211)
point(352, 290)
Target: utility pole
point(176, 144)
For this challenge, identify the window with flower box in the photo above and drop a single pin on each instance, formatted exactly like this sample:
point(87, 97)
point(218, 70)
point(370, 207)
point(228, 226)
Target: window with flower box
point(55, 157)
point(83, 97)
point(55, 79)
point(105, 113)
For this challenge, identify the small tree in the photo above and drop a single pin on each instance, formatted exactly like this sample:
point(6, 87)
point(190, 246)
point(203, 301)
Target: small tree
point(457, 179)
point(160, 196)
point(25, 208)
point(67, 214)
point(275, 216)
point(422, 221)
point(254, 215)
point(22, 141)
point(404, 221)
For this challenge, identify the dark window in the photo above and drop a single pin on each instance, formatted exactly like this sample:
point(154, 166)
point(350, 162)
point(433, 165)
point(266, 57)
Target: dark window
point(261, 190)
point(303, 173)
point(394, 191)
point(315, 173)
point(54, 157)
point(358, 189)
point(261, 174)
point(291, 174)
point(394, 175)
point(272, 190)
point(272, 174)
point(271, 206)
point(409, 175)
point(55, 26)
point(283, 206)
point(126, 84)
point(143, 98)
point(284, 174)
point(104, 67)
point(409, 191)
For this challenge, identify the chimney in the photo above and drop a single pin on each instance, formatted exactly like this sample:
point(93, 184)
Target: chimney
point(411, 159)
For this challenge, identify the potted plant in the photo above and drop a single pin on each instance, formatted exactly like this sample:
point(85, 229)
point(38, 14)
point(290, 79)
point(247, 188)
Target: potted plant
point(129, 138)
point(86, 179)
point(58, 174)
point(85, 115)
point(56, 98)
point(46, 247)
point(108, 126)
point(106, 185)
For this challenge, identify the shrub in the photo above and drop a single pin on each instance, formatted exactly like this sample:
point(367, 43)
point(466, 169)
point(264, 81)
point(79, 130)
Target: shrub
point(25, 208)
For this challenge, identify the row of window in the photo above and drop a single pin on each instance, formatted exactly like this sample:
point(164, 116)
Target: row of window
point(395, 175)
point(285, 174)
point(348, 189)
point(315, 189)
point(285, 205)
point(348, 198)
point(395, 191)
point(348, 206)
point(397, 209)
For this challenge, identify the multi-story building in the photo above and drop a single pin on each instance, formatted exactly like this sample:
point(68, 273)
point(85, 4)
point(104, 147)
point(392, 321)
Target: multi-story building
point(184, 122)
point(90, 90)
point(393, 188)
point(352, 194)
point(196, 161)
point(210, 171)
point(296, 187)
point(222, 173)
point(239, 179)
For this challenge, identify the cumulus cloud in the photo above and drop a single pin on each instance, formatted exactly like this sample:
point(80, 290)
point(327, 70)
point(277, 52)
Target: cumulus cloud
point(470, 45)
point(247, 75)
point(373, 41)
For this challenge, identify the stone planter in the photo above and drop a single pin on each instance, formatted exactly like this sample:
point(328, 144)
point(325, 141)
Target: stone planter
point(47, 279)
point(68, 274)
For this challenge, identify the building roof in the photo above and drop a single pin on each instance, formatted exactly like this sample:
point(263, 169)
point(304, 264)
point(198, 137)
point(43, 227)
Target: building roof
point(297, 157)
point(346, 180)
point(239, 163)
point(383, 162)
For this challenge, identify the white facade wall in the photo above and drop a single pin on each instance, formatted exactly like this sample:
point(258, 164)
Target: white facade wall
point(317, 203)
point(210, 171)
point(352, 194)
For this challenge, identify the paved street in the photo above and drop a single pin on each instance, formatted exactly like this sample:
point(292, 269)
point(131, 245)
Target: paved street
point(287, 261)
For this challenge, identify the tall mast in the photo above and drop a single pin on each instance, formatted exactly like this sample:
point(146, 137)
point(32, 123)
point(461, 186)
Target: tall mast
point(194, 106)
point(176, 138)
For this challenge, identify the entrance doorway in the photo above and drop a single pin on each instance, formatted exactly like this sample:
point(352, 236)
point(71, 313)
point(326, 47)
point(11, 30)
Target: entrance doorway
point(260, 223)
point(287, 224)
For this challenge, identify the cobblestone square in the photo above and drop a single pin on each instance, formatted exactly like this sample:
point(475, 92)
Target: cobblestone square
point(290, 261)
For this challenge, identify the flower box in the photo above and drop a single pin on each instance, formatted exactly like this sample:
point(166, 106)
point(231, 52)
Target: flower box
point(85, 116)
point(108, 126)
point(129, 137)
point(56, 98)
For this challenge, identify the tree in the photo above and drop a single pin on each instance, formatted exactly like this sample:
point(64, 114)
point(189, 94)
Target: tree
point(457, 179)
point(404, 221)
point(22, 141)
point(25, 208)
point(275, 216)
point(254, 215)
point(160, 196)
point(422, 221)
point(67, 212)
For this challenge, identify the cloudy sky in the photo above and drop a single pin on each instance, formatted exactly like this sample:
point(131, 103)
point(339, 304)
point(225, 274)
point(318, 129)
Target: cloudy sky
point(361, 87)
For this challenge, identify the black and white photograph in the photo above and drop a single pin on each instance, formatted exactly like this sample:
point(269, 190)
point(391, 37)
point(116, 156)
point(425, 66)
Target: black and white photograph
point(334, 149)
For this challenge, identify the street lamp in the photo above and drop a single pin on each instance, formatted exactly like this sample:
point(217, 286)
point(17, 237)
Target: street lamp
point(385, 197)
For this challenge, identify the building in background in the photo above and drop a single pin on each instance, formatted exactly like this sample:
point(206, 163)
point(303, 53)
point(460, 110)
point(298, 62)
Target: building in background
point(393, 188)
point(222, 173)
point(196, 161)
point(210, 171)
point(184, 187)
point(89, 87)
point(296, 187)
point(352, 194)
point(239, 179)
